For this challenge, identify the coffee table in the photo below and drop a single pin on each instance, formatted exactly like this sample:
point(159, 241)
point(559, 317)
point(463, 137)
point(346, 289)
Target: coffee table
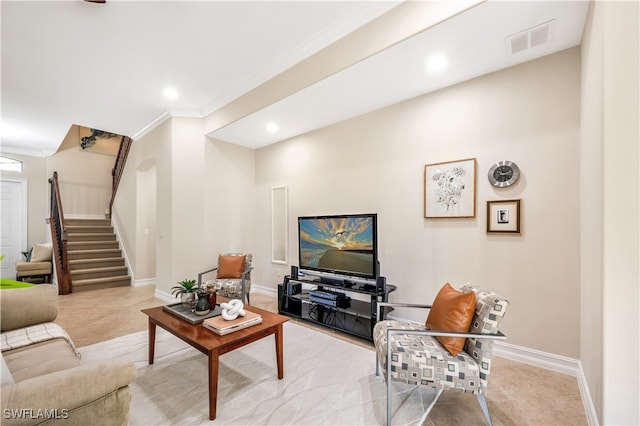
point(213, 345)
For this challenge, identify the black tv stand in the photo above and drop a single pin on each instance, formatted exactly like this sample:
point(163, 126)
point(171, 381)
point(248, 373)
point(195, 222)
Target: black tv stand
point(357, 317)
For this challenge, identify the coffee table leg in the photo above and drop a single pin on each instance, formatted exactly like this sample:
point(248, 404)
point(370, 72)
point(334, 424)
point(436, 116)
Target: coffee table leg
point(279, 347)
point(213, 383)
point(152, 340)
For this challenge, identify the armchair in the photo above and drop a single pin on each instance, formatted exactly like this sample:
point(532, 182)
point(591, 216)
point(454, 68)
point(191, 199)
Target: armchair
point(423, 355)
point(233, 276)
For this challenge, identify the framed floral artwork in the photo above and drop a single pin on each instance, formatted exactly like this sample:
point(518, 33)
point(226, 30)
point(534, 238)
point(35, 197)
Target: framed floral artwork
point(503, 216)
point(450, 189)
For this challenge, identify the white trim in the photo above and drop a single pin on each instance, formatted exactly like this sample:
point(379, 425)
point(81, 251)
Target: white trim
point(151, 125)
point(537, 358)
point(587, 401)
point(164, 296)
point(114, 223)
point(143, 282)
point(267, 291)
point(29, 152)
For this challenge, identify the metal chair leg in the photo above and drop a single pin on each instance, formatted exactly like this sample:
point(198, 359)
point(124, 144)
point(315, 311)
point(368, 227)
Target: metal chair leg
point(485, 409)
point(377, 365)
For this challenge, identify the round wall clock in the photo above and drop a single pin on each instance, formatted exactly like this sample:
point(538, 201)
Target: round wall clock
point(503, 174)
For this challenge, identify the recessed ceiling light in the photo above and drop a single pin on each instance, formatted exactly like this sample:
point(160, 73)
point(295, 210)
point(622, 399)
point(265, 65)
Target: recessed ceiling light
point(273, 127)
point(170, 93)
point(436, 62)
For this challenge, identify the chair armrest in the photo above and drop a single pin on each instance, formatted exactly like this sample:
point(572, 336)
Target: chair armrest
point(436, 333)
point(22, 307)
point(69, 389)
point(398, 305)
point(203, 273)
point(245, 274)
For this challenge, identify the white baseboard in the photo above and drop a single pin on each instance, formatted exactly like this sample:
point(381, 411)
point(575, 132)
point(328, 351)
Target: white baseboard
point(165, 297)
point(267, 291)
point(143, 283)
point(558, 363)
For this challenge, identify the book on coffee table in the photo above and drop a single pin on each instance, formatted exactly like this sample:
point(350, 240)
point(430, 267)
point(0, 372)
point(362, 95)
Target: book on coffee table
point(222, 326)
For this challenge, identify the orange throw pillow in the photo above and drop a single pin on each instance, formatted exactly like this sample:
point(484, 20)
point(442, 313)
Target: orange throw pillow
point(452, 311)
point(230, 266)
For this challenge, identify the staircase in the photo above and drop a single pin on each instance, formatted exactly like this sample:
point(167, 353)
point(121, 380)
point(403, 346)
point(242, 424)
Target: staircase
point(94, 255)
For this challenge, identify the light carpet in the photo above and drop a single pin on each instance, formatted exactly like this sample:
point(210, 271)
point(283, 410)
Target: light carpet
point(327, 381)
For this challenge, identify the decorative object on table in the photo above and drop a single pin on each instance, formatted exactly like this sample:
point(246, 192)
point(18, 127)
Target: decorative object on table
point(221, 326)
point(202, 304)
point(189, 315)
point(503, 174)
point(213, 296)
point(232, 309)
point(450, 189)
point(186, 289)
point(503, 216)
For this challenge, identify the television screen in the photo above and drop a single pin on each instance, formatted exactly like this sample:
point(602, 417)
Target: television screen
point(340, 244)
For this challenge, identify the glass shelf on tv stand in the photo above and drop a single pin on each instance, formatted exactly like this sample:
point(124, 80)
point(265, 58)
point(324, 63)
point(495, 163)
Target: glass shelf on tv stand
point(356, 307)
point(356, 287)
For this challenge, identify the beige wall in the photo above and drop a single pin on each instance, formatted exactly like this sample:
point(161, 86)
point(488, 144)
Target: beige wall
point(34, 173)
point(375, 163)
point(202, 206)
point(85, 181)
point(135, 209)
point(610, 205)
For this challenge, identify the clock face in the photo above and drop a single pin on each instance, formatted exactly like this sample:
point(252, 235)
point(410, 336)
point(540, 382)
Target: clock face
point(503, 174)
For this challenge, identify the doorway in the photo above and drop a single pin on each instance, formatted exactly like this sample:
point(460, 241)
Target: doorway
point(13, 225)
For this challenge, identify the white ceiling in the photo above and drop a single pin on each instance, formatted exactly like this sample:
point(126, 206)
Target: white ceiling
point(105, 66)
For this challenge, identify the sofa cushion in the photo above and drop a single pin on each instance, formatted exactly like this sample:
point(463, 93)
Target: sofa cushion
point(32, 268)
point(40, 358)
point(452, 310)
point(230, 266)
point(41, 252)
point(22, 307)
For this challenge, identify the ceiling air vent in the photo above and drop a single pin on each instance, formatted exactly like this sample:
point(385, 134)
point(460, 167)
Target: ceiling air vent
point(531, 37)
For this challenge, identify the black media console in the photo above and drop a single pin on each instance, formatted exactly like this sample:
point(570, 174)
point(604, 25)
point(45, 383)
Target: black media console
point(341, 305)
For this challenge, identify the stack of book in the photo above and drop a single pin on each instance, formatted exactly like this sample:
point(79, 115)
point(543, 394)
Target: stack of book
point(222, 326)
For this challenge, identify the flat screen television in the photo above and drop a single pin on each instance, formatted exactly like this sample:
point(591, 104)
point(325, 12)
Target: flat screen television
point(344, 245)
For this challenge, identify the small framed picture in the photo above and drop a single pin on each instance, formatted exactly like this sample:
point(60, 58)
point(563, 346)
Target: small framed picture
point(503, 216)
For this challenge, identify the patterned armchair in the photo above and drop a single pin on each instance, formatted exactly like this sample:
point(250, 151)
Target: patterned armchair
point(418, 354)
point(233, 276)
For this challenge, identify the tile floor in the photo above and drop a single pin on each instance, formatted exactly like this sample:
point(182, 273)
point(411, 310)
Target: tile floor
point(519, 394)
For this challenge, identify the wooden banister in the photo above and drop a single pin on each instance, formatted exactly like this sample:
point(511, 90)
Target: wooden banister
point(118, 168)
point(59, 237)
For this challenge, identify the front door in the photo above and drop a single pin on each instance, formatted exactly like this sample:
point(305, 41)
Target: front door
point(13, 225)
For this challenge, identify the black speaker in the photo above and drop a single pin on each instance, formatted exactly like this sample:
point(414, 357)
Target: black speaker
point(381, 284)
point(294, 272)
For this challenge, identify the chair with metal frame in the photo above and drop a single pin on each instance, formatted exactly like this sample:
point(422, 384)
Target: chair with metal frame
point(233, 276)
point(418, 358)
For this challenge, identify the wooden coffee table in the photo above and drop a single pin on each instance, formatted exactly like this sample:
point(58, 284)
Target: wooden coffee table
point(213, 345)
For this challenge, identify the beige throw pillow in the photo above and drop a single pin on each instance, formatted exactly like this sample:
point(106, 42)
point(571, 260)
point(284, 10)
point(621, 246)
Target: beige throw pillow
point(41, 252)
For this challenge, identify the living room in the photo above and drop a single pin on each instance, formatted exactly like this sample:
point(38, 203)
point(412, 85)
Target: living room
point(565, 119)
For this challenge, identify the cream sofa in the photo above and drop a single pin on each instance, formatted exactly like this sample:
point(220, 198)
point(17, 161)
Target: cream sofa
point(43, 380)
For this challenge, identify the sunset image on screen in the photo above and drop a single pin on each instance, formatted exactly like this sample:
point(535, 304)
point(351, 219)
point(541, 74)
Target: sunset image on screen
point(341, 244)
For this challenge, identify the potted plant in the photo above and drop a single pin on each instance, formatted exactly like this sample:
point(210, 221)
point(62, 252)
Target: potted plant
point(186, 289)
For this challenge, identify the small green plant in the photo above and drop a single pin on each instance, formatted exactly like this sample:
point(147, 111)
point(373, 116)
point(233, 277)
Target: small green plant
point(185, 287)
